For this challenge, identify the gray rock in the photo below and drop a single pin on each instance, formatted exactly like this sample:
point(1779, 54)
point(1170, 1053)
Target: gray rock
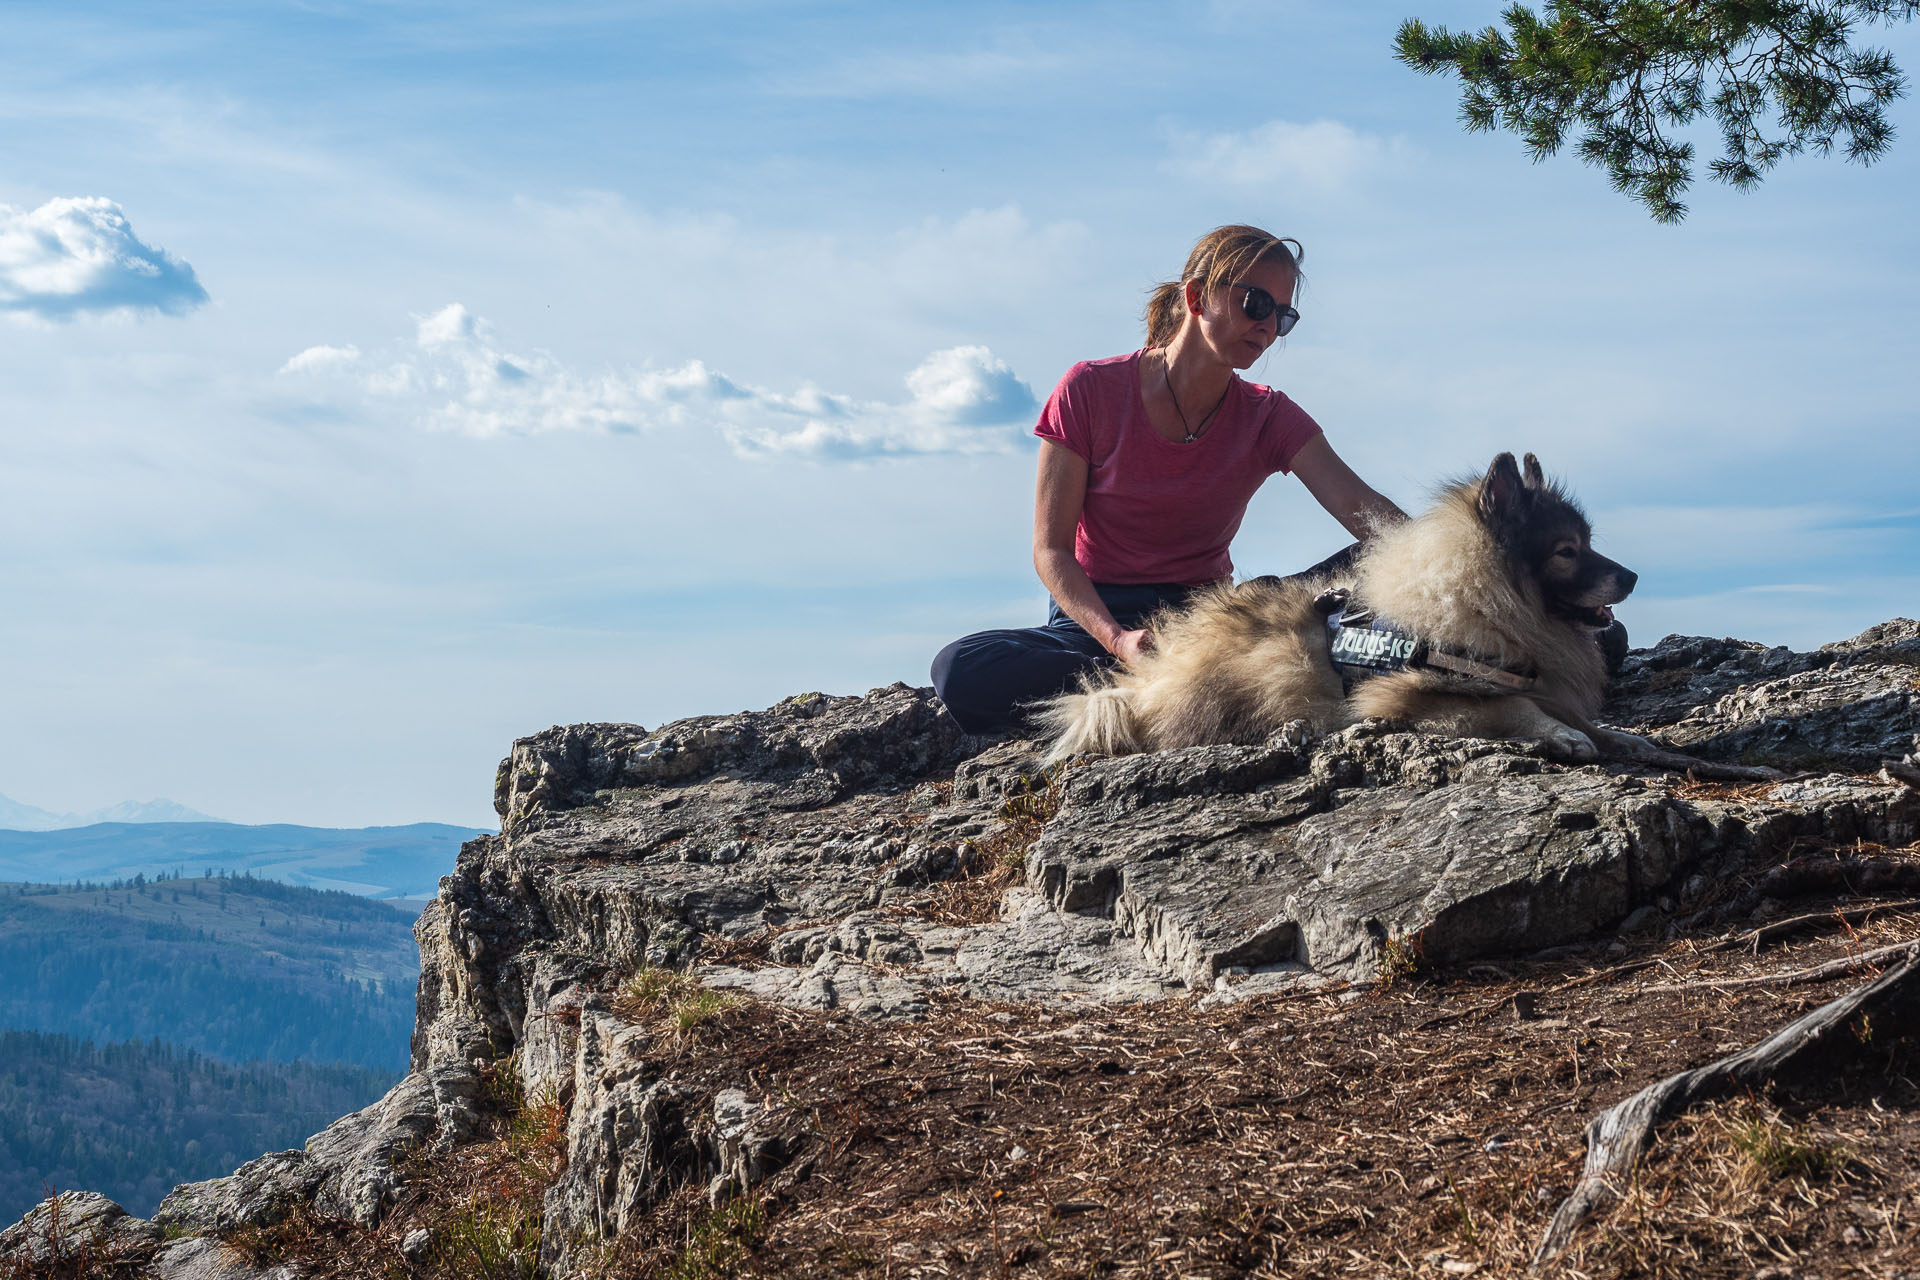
point(817, 746)
point(73, 1224)
point(1683, 675)
point(361, 1152)
point(744, 1155)
point(1644, 920)
point(1299, 872)
point(205, 1258)
point(260, 1193)
point(1840, 717)
point(629, 1137)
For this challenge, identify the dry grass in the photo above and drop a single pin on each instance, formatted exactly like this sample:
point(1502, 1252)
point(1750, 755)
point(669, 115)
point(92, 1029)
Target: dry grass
point(992, 865)
point(481, 1204)
point(1428, 1129)
point(670, 998)
point(1741, 1185)
point(1423, 1129)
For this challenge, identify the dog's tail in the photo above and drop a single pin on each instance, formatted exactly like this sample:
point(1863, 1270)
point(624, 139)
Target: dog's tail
point(1097, 722)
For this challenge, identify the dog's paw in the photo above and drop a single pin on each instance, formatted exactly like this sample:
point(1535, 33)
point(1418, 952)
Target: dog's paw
point(1570, 744)
point(1618, 742)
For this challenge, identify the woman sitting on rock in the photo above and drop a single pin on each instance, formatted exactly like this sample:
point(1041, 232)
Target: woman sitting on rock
point(1147, 462)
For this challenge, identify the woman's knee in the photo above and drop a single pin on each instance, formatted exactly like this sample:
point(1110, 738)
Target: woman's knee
point(944, 663)
point(984, 679)
point(956, 680)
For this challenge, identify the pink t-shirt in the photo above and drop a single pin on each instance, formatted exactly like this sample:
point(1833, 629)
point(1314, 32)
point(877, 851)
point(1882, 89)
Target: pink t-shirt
point(1158, 510)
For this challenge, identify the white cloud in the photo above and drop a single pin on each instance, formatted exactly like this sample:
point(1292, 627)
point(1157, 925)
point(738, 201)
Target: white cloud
point(77, 255)
point(1324, 157)
point(961, 400)
point(968, 386)
point(315, 359)
point(449, 326)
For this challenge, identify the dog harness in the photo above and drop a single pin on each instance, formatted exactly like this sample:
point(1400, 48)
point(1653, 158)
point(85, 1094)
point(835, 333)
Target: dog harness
point(1362, 643)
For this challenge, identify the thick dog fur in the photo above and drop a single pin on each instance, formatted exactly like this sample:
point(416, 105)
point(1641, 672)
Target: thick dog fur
point(1500, 567)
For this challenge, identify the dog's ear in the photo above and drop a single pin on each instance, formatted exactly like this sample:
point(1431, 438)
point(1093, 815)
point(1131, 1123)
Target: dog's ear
point(1503, 494)
point(1535, 478)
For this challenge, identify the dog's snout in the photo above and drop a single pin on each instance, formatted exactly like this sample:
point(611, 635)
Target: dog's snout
point(1626, 578)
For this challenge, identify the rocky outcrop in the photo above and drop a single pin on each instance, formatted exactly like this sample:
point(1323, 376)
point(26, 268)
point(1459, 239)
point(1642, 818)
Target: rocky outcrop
point(76, 1224)
point(862, 856)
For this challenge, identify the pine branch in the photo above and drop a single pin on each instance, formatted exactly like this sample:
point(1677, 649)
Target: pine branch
point(1624, 75)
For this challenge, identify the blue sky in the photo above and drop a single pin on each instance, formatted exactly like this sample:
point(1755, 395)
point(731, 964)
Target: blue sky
point(386, 381)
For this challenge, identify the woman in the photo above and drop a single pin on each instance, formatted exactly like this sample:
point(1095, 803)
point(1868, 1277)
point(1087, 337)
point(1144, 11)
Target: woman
point(1147, 462)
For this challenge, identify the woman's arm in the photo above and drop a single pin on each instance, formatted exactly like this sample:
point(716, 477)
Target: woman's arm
point(1360, 510)
point(1059, 494)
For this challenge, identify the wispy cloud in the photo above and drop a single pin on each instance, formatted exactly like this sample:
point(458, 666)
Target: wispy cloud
point(78, 255)
point(1324, 156)
point(924, 73)
point(455, 376)
point(1743, 537)
point(1803, 615)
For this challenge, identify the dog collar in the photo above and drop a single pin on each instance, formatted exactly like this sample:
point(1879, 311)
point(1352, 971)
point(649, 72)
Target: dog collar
point(1363, 643)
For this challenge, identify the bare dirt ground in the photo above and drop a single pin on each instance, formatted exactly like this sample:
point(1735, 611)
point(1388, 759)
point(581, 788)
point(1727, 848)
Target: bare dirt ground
point(1427, 1128)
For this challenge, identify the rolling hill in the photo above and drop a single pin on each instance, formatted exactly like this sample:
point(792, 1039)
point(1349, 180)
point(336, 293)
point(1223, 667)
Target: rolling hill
point(234, 967)
point(374, 862)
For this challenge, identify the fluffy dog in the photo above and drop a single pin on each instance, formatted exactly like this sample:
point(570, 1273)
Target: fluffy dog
point(1475, 619)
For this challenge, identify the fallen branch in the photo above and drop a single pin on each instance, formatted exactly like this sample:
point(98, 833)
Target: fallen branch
point(1753, 938)
point(1794, 924)
point(1819, 973)
point(1620, 1135)
point(1812, 876)
point(1602, 975)
point(1631, 748)
point(1806, 876)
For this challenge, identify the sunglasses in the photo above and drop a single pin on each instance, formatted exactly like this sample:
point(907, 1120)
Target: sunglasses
point(1257, 304)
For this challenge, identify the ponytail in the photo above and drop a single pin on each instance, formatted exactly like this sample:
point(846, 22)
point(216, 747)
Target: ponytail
point(1166, 312)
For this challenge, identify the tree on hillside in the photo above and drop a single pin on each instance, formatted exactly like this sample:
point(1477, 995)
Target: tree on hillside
point(1778, 78)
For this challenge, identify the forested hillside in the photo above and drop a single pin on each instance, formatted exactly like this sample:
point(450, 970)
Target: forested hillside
point(133, 1119)
point(375, 862)
point(230, 966)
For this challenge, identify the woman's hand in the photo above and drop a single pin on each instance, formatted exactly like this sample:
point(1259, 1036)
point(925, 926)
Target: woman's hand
point(1129, 645)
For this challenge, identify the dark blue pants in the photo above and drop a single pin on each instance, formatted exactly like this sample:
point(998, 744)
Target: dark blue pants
point(987, 679)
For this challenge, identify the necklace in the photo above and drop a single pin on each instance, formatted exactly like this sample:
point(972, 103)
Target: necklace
point(1193, 433)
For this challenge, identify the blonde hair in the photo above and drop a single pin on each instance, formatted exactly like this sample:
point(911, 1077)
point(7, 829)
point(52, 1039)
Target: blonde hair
point(1220, 258)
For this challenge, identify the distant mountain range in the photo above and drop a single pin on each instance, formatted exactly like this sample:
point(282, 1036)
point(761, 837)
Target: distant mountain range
point(15, 816)
point(373, 862)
